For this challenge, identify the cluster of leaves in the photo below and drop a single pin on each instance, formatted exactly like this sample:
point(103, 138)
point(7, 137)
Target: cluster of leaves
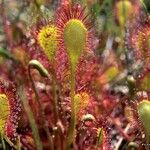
point(74, 74)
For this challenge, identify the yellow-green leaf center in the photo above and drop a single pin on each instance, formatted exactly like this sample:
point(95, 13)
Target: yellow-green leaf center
point(144, 114)
point(75, 34)
point(4, 111)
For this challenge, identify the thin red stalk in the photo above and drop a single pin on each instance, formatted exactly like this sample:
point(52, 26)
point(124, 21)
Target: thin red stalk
point(125, 135)
point(42, 111)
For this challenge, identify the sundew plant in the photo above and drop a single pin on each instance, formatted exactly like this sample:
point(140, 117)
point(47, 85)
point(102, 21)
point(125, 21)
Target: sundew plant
point(74, 74)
